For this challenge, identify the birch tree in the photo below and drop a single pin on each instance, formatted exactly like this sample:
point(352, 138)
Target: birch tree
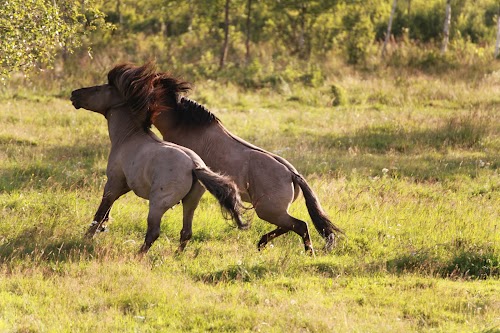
point(225, 46)
point(446, 29)
point(389, 28)
point(248, 26)
point(497, 44)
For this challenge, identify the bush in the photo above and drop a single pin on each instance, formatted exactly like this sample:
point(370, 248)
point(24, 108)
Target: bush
point(339, 95)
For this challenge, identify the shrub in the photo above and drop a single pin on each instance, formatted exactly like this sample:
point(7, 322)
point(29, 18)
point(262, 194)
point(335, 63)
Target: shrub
point(339, 95)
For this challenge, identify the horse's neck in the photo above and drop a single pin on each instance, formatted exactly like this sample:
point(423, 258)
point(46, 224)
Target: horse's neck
point(198, 138)
point(121, 126)
point(166, 124)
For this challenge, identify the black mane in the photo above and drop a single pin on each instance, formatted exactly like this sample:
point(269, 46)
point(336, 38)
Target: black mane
point(189, 112)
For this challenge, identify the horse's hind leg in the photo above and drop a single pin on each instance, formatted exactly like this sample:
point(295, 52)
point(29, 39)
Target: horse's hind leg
point(159, 203)
point(189, 204)
point(285, 223)
point(154, 221)
point(270, 236)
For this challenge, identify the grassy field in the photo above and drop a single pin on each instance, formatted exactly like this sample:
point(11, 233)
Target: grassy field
point(407, 166)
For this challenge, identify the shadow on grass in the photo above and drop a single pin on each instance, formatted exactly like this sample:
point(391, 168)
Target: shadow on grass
point(64, 166)
point(419, 154)
point(39, 245)
point(233, 273)
point(491, 330)
point(419, 168)
point(469, 263)
point(463, 133)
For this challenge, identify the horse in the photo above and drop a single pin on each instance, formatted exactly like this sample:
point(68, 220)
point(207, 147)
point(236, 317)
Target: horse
point(269, 182)
point(162, 172)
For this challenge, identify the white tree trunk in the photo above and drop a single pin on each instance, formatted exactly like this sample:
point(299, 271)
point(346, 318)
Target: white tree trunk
point(446, 29)
point(389, 27)
point(226, 36)
point(248, 30)
point(497, 44)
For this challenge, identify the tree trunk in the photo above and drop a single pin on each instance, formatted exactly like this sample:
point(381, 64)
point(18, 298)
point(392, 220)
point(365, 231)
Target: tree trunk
point(446, 30)
point(389, 28)
point(249, 22)
point(119, 11)
point(497, 44)
point(226, 36)
point(190, 15)
point(302, 40)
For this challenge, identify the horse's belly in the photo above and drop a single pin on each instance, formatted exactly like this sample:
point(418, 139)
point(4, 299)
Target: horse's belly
point(142, 190)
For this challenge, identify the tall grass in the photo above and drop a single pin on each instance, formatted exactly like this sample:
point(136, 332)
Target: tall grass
point(407, 167)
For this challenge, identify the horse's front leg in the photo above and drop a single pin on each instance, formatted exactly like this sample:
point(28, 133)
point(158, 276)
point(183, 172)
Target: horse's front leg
point(153, 232)
point(102, 215)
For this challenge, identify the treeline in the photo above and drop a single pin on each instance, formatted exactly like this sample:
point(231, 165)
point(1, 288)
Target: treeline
point(253, 42)
point(256, 36)
point(301, 28)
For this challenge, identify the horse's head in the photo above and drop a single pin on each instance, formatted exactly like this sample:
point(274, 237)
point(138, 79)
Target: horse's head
point(97, 98)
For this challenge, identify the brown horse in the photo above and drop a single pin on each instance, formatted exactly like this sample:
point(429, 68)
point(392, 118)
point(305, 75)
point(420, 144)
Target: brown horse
point(266, 180)
point(162, 172)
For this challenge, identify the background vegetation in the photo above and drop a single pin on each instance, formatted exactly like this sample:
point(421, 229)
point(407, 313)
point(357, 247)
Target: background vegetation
point(402, 150)
point(257, 44)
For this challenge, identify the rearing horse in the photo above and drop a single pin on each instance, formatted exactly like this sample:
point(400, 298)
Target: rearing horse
point(162, 172)
point(266, 180)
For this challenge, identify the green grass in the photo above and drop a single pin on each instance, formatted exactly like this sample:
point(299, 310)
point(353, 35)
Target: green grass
point(407, 167)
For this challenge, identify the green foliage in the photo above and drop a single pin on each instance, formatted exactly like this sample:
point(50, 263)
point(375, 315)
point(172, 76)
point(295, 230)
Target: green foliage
point(339, 95)
point(34, 31)
point(186, 37)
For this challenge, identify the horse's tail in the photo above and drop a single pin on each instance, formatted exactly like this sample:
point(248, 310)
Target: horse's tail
point(225, 191)
point(320, 220)
point(318, 216)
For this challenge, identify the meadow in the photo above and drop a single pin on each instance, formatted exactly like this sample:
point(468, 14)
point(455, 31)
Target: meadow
point(407, 164)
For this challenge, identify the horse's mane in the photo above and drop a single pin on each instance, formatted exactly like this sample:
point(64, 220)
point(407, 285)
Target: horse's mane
point(189, 112)
point(147, 92)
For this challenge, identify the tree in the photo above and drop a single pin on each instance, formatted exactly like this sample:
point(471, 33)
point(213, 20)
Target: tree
point(497, 44)
point(359, 33)
point(446, 29)
point(294, 21)
point(225, 46)
point(34, 31)
point(389, 27)
point(248, 26)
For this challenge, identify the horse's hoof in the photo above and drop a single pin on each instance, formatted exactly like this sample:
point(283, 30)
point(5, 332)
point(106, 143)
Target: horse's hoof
point(102, 228)
point(331, 242)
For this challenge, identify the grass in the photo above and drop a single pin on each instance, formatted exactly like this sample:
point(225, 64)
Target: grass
point(408, 167)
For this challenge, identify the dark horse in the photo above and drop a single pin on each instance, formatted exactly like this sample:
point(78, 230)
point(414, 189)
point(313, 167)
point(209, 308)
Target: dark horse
point(266, 180)
point(162, 172)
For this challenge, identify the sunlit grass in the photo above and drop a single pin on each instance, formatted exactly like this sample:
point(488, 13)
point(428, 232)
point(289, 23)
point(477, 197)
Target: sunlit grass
point(408, 168)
